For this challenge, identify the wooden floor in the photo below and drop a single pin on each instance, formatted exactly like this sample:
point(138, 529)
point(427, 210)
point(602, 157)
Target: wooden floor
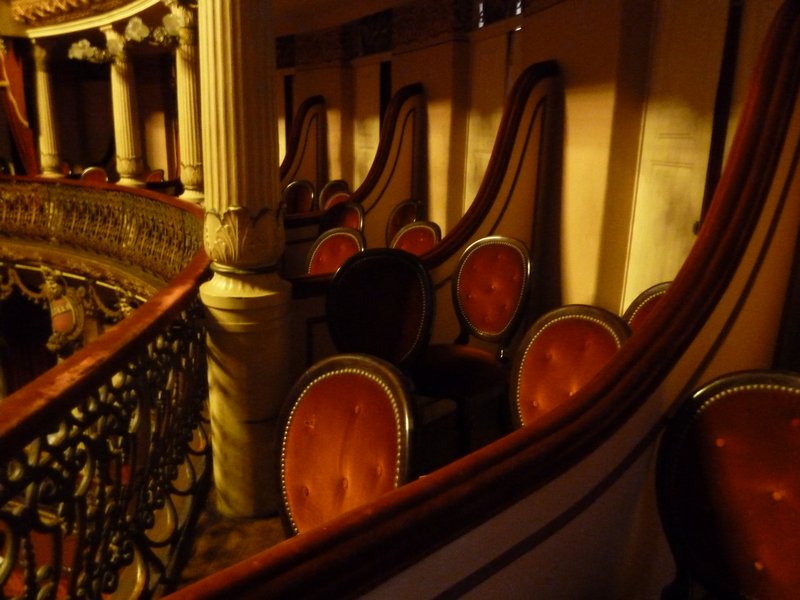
point(222, 541)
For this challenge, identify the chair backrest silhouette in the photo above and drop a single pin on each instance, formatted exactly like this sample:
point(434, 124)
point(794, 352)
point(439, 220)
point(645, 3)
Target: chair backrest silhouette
point(490, 289)
point(727, 486)
point(344, 214)
point(94, 174)
point(417, 237)
point(381, 302)
point(333, 188)
point(332, 248)
point(345, 438)
point(560, 352)
point(404, 213)
point(298, 196)
point(641, 306)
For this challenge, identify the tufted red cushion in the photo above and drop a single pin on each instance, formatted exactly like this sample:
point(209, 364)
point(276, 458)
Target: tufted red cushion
point(735, 491)
point(490, 287)
point(331, 250)
point(417, 238)
point(341, 446)
point(559, 355)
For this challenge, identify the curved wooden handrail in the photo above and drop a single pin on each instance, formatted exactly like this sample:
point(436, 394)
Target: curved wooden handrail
point(367, 546)
point(307, 145)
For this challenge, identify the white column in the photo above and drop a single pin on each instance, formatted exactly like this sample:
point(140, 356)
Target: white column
point(127, 133)
point(188, 92)
point(49, 155)
point(246, 300)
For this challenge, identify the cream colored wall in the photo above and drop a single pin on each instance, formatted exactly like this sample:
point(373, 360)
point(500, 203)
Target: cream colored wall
point(443, 69)
point(366, 116)
point(584, 36)
point(676, 140)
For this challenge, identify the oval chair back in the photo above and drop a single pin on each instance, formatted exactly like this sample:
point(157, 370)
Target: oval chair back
point(402, 214)
point(417, 237)
point(332, 188)
point(332, 248)
point(490, 288)
point(559, 354)
point(639, 310)
point(94, 174)
point(728, 489)
point(381, 302)
point(345, 433)
point(345, 214)
point(298, 196)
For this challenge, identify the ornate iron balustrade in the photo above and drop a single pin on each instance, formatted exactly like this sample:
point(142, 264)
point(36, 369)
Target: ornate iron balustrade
point(105, 459)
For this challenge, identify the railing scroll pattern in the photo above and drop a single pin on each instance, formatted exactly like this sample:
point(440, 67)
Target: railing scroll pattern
point(105, 458)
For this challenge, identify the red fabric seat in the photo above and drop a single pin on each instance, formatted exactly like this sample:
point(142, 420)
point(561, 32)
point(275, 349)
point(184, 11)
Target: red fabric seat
point(728, 489)
point(332, 248)
point(559, 354)
point(490, 289)
point(417, 237)
point(346, 431)
point(639, 310)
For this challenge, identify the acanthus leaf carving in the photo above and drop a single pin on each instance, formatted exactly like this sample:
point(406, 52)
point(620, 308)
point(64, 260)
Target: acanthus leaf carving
point(236, 239)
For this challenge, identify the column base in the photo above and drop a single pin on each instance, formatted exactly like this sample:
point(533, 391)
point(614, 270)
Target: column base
point(247, 338)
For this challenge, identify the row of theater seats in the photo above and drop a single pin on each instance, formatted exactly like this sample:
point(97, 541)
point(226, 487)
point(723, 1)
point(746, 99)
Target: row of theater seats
point(340, 235)
point(438, 401)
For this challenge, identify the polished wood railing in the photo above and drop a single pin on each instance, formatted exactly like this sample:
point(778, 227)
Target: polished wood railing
point(105, 458)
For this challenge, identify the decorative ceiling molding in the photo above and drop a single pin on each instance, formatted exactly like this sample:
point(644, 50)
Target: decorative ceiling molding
point(47, 18)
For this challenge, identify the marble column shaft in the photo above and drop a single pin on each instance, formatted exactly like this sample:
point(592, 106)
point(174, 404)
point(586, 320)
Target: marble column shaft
point(127, 133)
point(246, 301)
point(49, 155)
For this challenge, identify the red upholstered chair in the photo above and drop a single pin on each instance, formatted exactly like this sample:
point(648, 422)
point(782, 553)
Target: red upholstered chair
point(728, 488)
point(298, 196)
point(417, 237)
point(561, 352)
point(334, 187)
point(345, 438)
point(332, 248)
point(404, 213)
point(343, 214)
point(641, 307)
point(94, 174)
point(490, 289)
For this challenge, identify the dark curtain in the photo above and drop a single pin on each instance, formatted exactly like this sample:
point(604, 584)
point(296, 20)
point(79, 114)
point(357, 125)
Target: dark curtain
point(12, 84)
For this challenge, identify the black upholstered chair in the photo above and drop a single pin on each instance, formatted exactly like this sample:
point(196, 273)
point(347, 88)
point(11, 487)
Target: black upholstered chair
point(332, 248)
point(489, 291)
point(728, 488)
point(345, 438)
point(381, 302)
point(640, 308)
point(299, 196)
point(417, 237)
point(561, 352)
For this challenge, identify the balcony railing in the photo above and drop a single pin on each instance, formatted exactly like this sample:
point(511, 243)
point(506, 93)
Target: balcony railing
point(105, 458)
